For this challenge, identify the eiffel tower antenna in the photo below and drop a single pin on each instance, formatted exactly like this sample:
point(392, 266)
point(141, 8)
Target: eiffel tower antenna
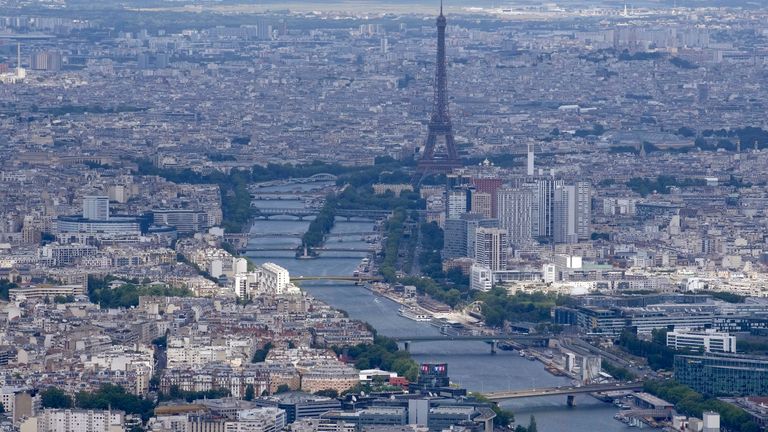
point(440, 126)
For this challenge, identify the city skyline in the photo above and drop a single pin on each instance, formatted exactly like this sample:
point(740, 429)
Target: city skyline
point(347, 216)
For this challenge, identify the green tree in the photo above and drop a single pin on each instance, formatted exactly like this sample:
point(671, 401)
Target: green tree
point(261, 354)
point(249, 392)
point(53, 397)
point(331, 393)
point(282, 388)
point(532, 425)
point(5, 286)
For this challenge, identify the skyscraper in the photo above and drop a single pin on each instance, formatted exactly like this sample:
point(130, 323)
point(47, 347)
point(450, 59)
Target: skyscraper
point(96, 207)
point(530, 166)
point(515, 214)
point(481, 203)
point(542, 220)
point(583, 210)
point(440, 130)
point(460, 234)
point(491, 248)
point(564, 214)
point(457, 203)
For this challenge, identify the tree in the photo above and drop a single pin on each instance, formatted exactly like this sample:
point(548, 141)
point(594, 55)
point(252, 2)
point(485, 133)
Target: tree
point(331, 393)
point(282, 388)
point(249, 393)
point(532, 425)
point(53, 397)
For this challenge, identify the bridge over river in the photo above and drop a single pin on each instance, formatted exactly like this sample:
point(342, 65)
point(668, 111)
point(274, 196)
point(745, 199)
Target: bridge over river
point(569, 391)
point(301, 213)
point(493, 340)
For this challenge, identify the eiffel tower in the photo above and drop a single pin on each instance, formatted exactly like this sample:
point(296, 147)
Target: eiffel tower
point(439, 155)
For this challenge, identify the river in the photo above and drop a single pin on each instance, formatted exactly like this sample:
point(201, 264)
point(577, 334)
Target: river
point(470, 364)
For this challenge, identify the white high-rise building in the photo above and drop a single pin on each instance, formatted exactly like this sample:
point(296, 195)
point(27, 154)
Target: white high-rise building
point(531, 168)
point(275, 278)
point(583, 210)
point(491, 248)
point(572, 212)
point(564, 214)
point(96, 207)
point(515, 209)
point(266, 279)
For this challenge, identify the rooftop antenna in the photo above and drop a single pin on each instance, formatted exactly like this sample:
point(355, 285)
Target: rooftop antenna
point(441, 7)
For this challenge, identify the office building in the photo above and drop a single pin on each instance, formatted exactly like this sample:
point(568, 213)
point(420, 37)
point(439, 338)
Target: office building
point(96, 208)
point(300, 405)
point(480, 203)
point(480, 278)
point(459, 237)
point(564, 214)
point(185, 221)
point(542, 220)
point(491, 248)
point(583, 210)
point(530, 165)
point(379, 416)
point(515, 211)
point(723, 374)
point(612, 321)
point(489, 185)
point(458, 203)
point(46, 61)
point(74, 229)
point(264, 419)
point(455, 239)
point(709, 340)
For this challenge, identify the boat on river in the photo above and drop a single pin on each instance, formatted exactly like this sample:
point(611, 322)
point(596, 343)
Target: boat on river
point(414, 313)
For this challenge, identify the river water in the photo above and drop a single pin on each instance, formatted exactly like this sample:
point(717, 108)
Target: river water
point(470, 364)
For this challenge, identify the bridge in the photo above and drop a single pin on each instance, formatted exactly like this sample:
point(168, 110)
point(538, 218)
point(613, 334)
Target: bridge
point(314, 249)
point(321, 177)
point(493, 340)
point(301, 213)
point(569, 391)
point(337, 278)
point(481, 338)
point(299, 235)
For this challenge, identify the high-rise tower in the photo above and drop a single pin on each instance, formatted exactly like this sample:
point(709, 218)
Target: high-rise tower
point(439, 155)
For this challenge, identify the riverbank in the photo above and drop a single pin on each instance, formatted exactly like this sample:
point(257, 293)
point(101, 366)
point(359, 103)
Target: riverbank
point(470, 363)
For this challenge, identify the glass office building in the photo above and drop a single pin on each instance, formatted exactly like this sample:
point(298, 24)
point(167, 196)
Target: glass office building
point(723, 375)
